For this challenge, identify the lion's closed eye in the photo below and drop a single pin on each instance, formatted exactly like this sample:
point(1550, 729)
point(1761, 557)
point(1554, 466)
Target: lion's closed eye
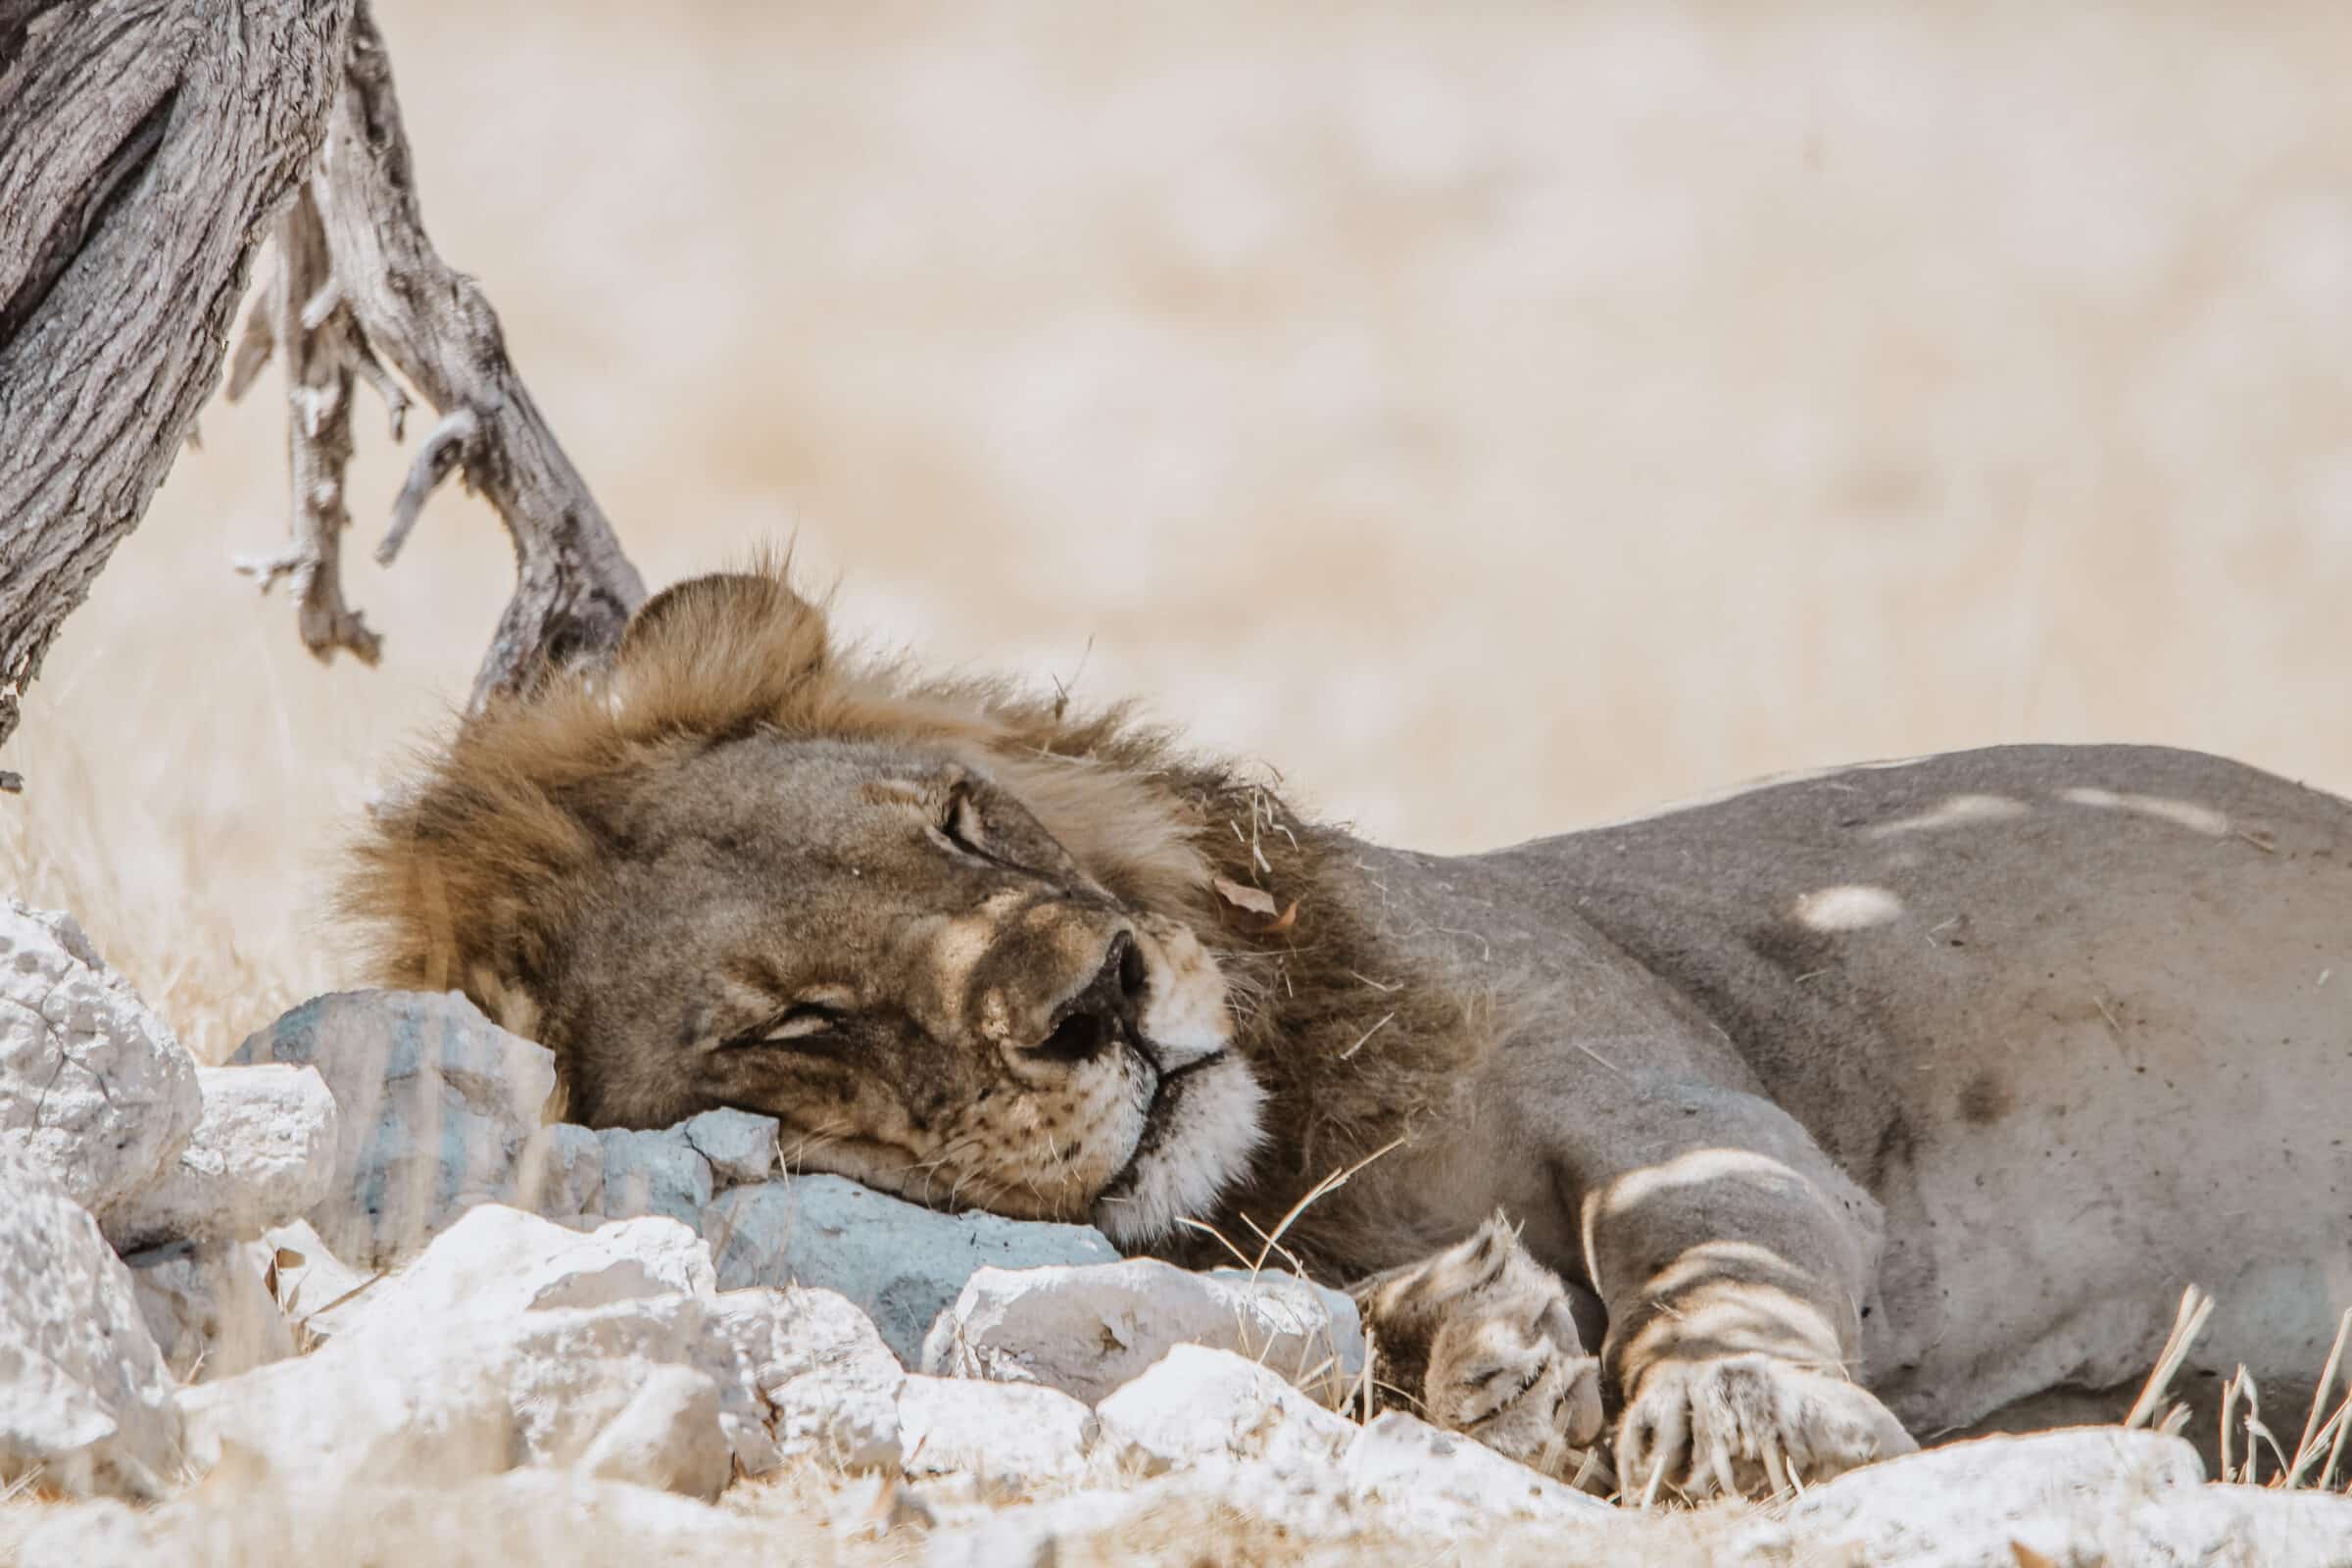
point(810, 1018)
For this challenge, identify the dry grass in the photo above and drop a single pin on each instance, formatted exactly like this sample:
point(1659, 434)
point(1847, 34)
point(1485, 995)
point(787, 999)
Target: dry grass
point(1496, 421)
point(2243, 1437)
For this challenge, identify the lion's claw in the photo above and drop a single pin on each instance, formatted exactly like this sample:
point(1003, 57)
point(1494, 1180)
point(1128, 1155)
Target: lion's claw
point(1748, 1424)
point(1490, 1334)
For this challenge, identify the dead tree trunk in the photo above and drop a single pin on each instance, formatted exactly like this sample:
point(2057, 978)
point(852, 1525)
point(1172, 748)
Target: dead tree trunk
point(146, 147)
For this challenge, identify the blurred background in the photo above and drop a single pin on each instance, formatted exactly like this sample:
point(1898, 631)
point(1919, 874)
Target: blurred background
point(1496, 417)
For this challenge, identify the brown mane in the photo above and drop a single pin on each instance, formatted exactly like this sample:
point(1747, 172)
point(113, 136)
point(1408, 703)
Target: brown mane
point(468, 878)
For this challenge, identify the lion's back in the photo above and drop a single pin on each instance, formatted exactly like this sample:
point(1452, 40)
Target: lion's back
point(2074, 1015)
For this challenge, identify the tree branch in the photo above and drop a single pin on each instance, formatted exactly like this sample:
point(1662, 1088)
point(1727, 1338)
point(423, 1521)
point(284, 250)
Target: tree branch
point(382, 287)
point(322, 347)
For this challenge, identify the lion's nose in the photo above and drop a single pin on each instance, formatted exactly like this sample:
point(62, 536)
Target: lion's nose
point(1098, 1016)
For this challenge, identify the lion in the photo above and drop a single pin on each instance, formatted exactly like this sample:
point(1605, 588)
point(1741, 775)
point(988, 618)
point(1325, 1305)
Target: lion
point(1741, 1143)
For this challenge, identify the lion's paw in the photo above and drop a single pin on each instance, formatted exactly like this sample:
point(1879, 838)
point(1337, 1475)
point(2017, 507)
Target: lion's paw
point(1748, 1424)
point(1497, 1346)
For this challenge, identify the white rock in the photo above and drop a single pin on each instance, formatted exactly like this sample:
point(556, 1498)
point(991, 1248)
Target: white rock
point(1964, 1503)
point(2192, 1527)
point(740, 1147)
point(654, 1173)
point(94, 1088)
point(1450, 1481)
point(435, 1102)
point(83, 1390)
point(1032, 1535)
point(900, 1262)
point(496, 1261)
point(262, 1153)
point(1198, 1404)
point(831, 1386)
point(1010, 1437)
point(311, 1278)
point(104, 1534)
point(439, 1402)
point(1088, 1330)
point(436, 1399)
point(523, 1517)
point(210, 1307)
point(666, 1437)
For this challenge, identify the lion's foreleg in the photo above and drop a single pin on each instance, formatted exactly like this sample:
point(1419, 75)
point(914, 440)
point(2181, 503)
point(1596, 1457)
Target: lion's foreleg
point(1735, 1260)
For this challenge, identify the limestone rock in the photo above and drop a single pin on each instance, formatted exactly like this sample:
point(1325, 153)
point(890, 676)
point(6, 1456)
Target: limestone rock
point(210, 1308)
point(94, 1088)
point(655, 1173)
point(83, 1390)
point(1966, 1501)
point(523, 1519)
point(1088, 1330)
point(667, 1436)
point(440, 1401)
point(830, 1384)
point(435, 1102)
point(1448, 1481)
point(263, 1152)
point(496, 1261)
point(898, 1261)
point(438, 1398)
point(1196, 1404)
point(1007, 1436)
point(740, 1147)
point(311, 1279)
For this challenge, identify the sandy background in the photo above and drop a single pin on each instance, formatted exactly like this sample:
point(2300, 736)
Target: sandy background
point(1497, 421)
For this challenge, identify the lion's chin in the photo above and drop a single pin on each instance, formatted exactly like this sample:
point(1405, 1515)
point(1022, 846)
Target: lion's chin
point(1205, 1125)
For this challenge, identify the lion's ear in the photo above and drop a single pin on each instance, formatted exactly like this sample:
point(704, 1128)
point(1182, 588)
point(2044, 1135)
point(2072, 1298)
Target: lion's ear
point(722, 606)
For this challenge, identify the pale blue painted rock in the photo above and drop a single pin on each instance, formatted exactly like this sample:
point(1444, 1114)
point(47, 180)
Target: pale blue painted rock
point(900, 1262)
point(740, 1145)
point(654, 1173)
point(435, 1102)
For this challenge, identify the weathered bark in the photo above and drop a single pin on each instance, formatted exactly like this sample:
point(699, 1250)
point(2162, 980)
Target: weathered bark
point(386, 291)
point(146, 147)
point(321, 358)
point(143, 145)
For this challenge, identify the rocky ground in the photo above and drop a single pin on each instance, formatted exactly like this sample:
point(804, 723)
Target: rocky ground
point(352, 1297)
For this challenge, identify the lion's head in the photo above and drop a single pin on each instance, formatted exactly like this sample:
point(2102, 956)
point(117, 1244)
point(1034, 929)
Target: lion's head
point(950, 939)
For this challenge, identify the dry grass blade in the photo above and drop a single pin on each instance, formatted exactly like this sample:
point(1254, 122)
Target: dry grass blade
point(2314, 1434)
point(1328, 1184)
point(2195, 1308)
point(2231, 1393)
point(1207, 1229)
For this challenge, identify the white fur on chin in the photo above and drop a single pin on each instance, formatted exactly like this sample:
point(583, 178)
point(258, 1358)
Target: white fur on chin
point(1214, 1128)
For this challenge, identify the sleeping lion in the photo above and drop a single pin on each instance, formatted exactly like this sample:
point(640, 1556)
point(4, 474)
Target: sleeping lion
point(1748, 1142)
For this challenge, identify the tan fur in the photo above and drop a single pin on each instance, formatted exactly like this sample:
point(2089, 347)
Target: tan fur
point(1766, 1083)
point(473, 879)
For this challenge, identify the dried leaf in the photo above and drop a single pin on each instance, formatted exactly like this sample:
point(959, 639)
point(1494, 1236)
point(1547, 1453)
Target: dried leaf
point(2028, 1557)
point(1284, 921)
point(1255, 899)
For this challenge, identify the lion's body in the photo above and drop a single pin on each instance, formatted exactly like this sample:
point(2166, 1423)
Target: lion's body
point(2074, 1017)
point(1947, 1076)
